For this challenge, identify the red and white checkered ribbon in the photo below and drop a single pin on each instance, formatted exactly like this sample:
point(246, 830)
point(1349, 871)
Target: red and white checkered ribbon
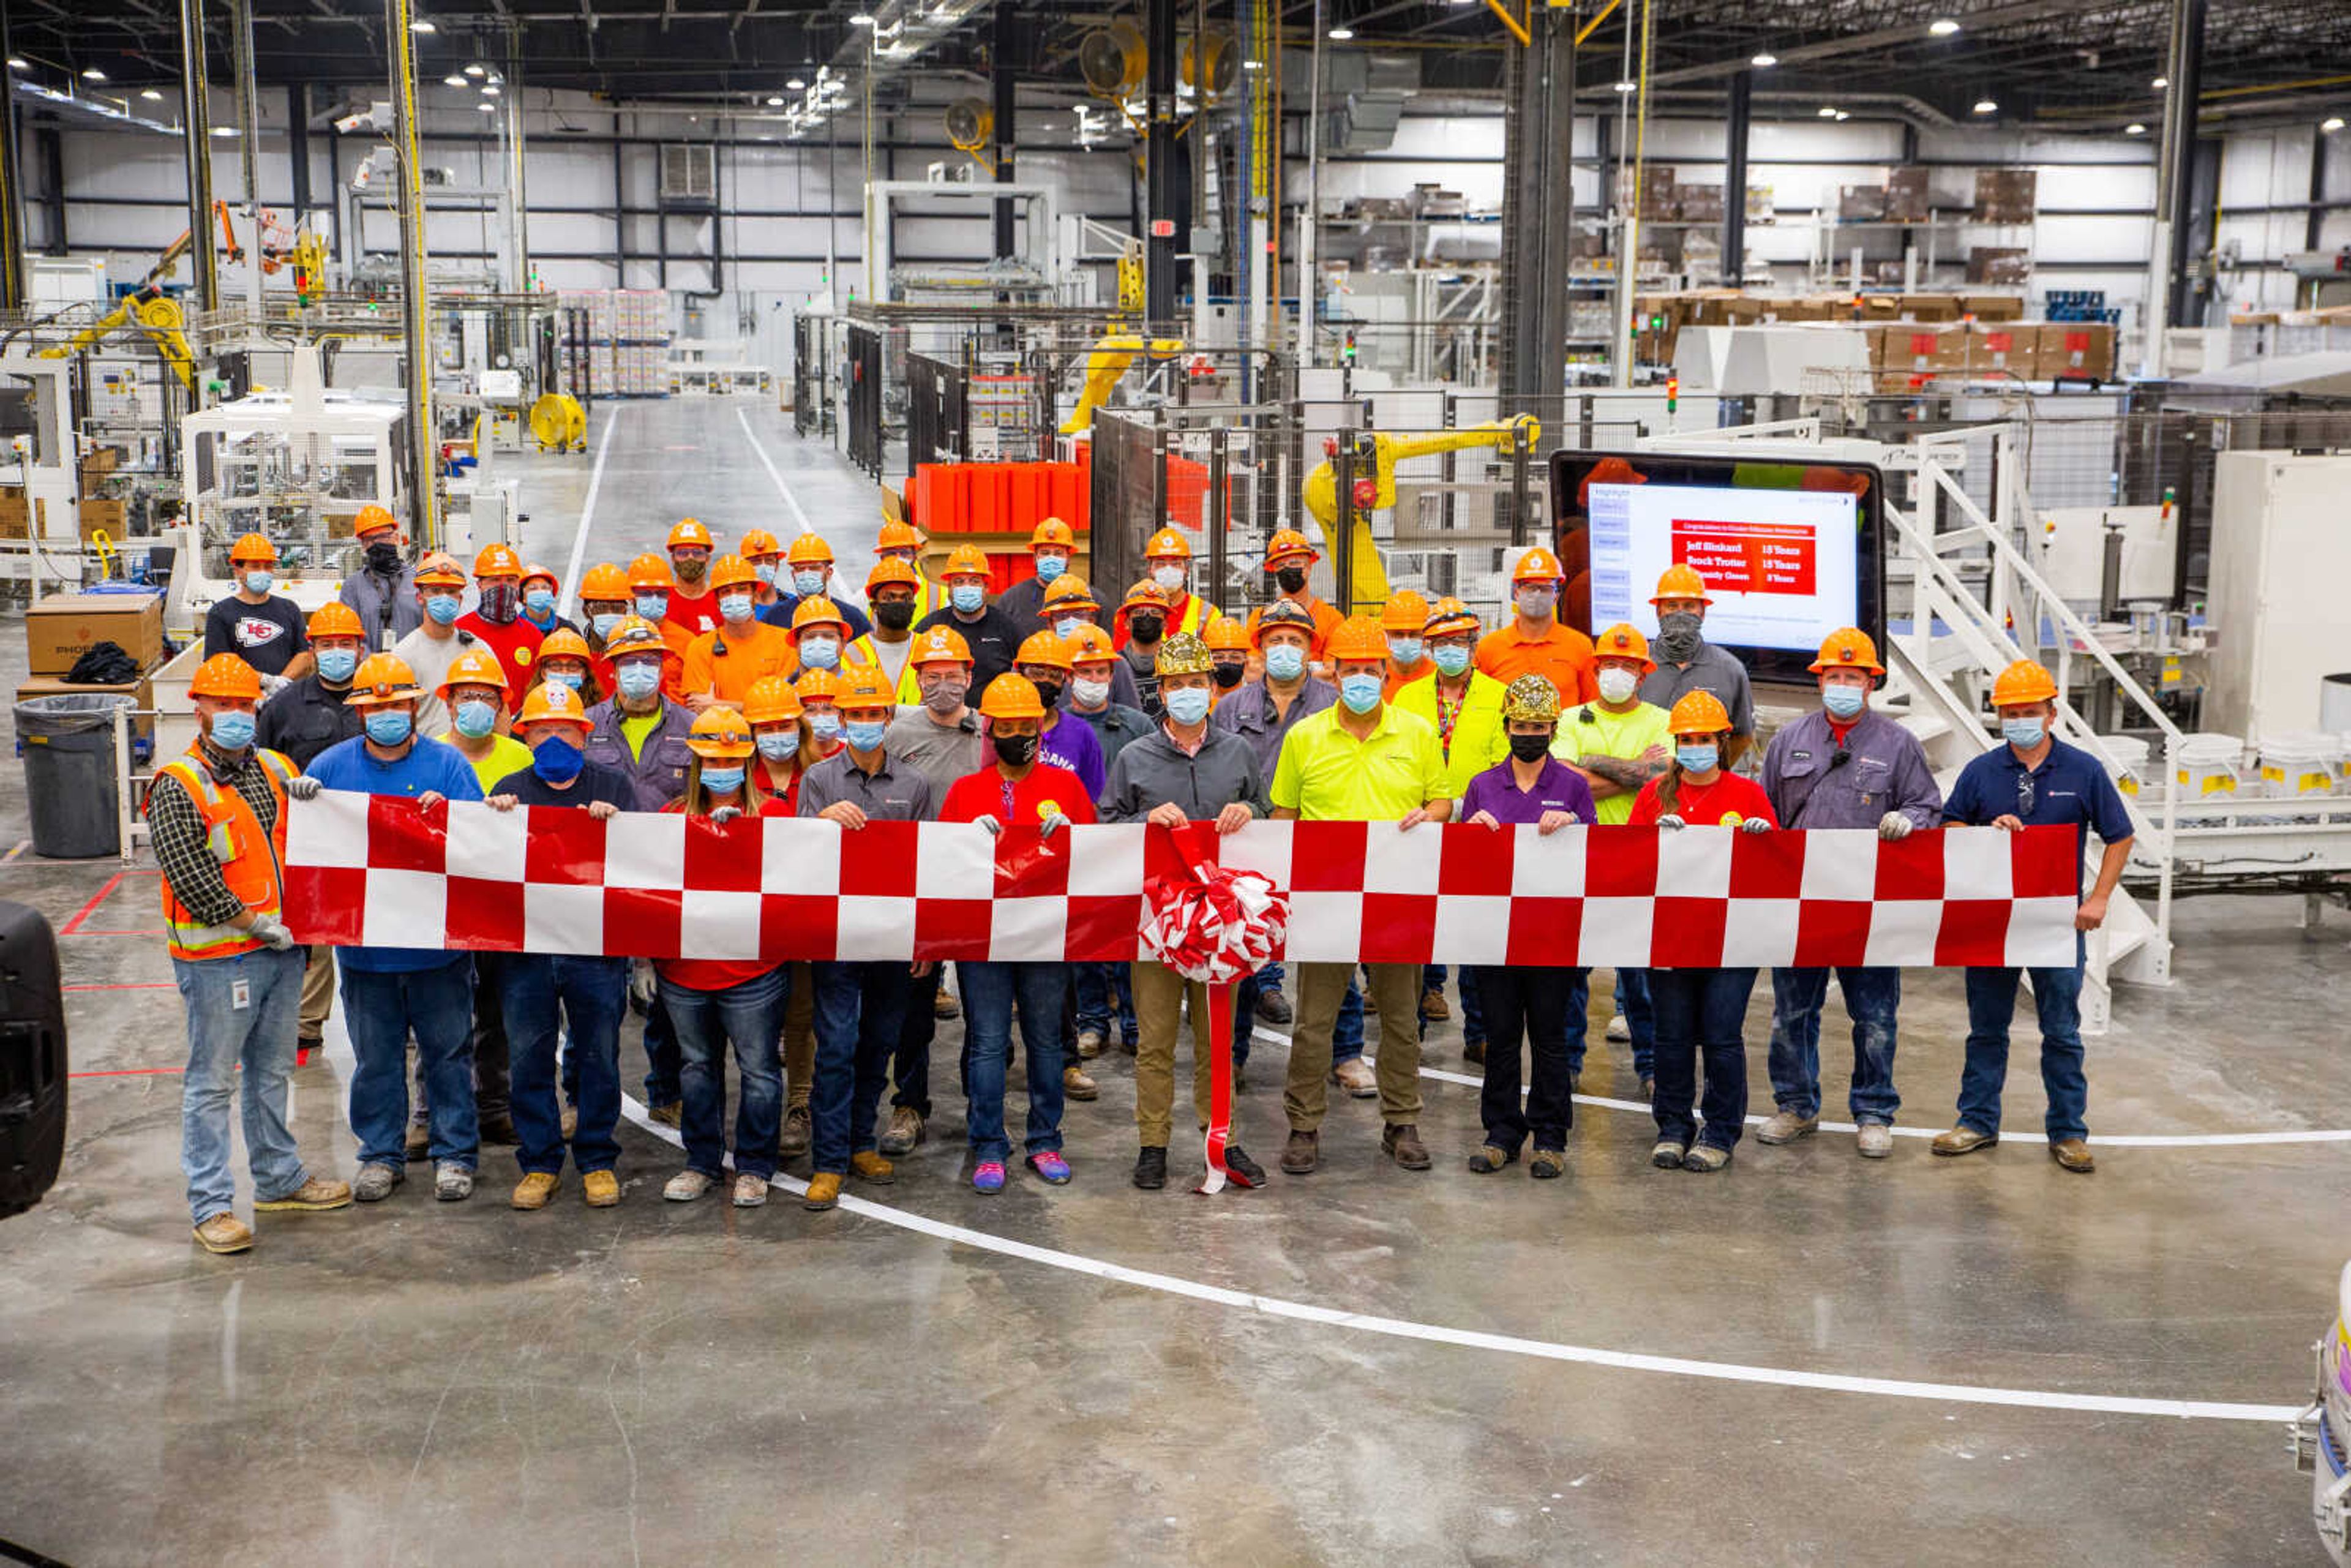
point(381, 871)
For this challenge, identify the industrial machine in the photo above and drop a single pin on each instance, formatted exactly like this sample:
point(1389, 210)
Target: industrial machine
point(2321, 1436)
point(1112, 355)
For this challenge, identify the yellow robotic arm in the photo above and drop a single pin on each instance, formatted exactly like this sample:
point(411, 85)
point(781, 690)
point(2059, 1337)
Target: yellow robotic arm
point(1321, 490)
point(1110, 359)
point(153, 314)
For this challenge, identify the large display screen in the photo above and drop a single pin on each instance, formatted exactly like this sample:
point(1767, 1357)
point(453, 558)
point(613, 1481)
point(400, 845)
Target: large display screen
point(1789, 552)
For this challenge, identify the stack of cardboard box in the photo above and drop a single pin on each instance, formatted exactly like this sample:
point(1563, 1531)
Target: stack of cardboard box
point(1913, 337)
point(63, 627)
point(98, 512)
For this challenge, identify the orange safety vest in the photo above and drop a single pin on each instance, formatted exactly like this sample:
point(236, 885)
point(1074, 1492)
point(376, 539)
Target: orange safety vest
point(250, 860)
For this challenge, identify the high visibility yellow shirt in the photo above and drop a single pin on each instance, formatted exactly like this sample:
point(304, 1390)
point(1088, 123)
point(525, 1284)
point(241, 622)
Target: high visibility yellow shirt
point(1325, 774)
point(1591, 731)
point(1480, 738)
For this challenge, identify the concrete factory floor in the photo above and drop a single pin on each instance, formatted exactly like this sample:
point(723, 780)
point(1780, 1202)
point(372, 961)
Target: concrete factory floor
point(1628, 1366)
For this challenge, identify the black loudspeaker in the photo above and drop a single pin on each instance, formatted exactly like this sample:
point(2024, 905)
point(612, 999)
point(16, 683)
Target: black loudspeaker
point(31, 1058)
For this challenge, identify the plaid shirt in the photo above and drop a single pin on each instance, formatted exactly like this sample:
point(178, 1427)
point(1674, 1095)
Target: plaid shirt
point(178, 832)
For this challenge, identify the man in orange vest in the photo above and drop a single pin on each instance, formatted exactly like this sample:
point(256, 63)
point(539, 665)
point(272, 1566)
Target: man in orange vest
point(1167, 561)
point(217, 817)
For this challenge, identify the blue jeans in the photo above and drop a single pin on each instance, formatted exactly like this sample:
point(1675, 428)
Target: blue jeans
point(1991, 1003)
point(990, 992)
point(222, 1037)
point(1099, 985)
point(1701, 1013)
point(382, 1010)
point(860, 1020)
point(590, 995)
point(748, 1017)
point(1872, 996)
point(918, 1027)
point(663, 1063)
point(1633, 1001)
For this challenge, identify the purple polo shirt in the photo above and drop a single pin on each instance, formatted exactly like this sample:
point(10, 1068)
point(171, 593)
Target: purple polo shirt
point(1558, 788)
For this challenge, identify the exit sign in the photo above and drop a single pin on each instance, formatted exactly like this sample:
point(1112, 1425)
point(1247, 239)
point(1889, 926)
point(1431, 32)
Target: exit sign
point(1163, 228)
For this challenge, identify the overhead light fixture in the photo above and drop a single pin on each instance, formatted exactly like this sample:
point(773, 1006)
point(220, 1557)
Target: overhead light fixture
point(491, 91)
point(454, 81)
point(2133, 128)
point(1942, 26)
point(776, 101)
point(1341, 35)
point(421, 26)
point(91, 73)
point(224, 130)
point(2331, 124)
point(1765, 60)
point(862, 20)
point(1986, 106)
point(477, 69)
point(796, 84)
point(1828, 111)
point(1626, 87)
point(19, 63)
point(150, 95)
point(1843, 116)
point(2159, 83)
point(487, 108)
point(1252, 64)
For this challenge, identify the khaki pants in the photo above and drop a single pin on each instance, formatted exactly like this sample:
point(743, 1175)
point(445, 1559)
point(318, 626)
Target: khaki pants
point(1159, 993)
point(318, 993)
point(1321, 989)
point(800, 1036)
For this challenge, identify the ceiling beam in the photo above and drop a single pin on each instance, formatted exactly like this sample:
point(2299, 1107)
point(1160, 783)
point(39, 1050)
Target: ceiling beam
point(1882, 38)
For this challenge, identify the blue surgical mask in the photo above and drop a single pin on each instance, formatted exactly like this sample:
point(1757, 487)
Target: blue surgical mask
point(737, 607)
point(540, 601)
point(604, 621)
point(443, 607)
point(968, 597)
point(258, 581)
point(232, 731)
point(1451, 659)
point(1049, 567)
point(807, 584)
point(652, 606)
point(389, 728)
point(1067, 627)
point(721, 780)
point(1360, 693)
point(1285, 660)
point(766, 573)
point(1404, 650)
point(825, 727)
point(574, 679)
point(2023, 734)
point(1697, 758)
point(776, 745)
point(337, 664)
point(865, 734)
point(475, 718)
point(557, 760)
point(821, 652)
point(1843, 702)
point(1186, 704)
point(639, 680)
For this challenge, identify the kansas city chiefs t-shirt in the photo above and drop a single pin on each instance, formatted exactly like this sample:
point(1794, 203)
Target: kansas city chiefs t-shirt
point(266, 635)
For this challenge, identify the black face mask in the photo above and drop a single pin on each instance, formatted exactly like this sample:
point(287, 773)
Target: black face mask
point(1229, 676)
point(1291, 578)
point(1145, 629)
point(1531, 748)
point(1049, 693)
point(893, 614)
point(1016, 750)
point(383, 557)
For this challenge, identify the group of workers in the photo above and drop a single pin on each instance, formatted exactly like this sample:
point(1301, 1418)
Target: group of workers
point(728, 684)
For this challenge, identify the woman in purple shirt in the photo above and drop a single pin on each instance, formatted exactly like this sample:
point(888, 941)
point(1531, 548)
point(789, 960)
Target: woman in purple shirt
point(1526, 1002)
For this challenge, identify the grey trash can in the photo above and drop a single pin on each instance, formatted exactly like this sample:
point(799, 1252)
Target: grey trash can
point(68, 743)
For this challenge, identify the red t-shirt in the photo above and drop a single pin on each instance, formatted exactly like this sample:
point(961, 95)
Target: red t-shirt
point(718, 973)
point(787, 793)
point(694, 613)
point(1721, 803)
point(516, 643)
point(987, 793)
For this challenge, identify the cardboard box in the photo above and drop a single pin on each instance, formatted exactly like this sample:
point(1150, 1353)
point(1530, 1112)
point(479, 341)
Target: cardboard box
point(97, 464)
point(1761, 208)
point(1933, 307)
point(2080, 349)
point(1699, 204)
point(114, 516)
point(1861, 203)
point(63, 627)
point(2002, 347)
point(2004, 265)
point(15, 517)
point(2006, 195)
point(1992, 306)
point(1907, 198)
point(1927, 348)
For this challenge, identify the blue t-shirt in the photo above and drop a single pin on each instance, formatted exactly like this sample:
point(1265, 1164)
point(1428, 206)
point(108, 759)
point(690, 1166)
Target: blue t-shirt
point(1071, 744)
point(2068, 788)
point(431, 766)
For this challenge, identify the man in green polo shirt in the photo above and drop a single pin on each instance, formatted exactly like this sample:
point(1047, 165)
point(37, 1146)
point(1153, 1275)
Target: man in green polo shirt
point(1359, 761)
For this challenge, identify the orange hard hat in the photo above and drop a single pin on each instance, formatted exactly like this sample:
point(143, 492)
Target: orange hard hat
point(1011, 695)
point(1068, 588)
point(890, 569)
point(1699, 713)
point(383, 679)
point(1406, 612)
point(863, 687)
point(818, 610)
point(474, 667)
point(1357, 637)
point(757, 543)
point(809, 551)
point(815, 685)
point(2023, 682)
point(689, 534)
point(497, 560)
point(1285, 543)
point(563, 642)
point(373, 517)
point(535, 573)
point(940, 645)
point(1448, 617)
point(649, 570)
point(604, 583)
point(1623, 641)
point(965, 561)
point(552, 700)
point(771, 700)
point(1538, 565)
point(1167, 544)
point(1287, 615)
point(334, 618)
point(1053, 531)
point(732, 572)
point(1089, 644)
point(252, 547)
point(1225, 634)
point(226, 675)
point(1680, 580)
point(1147, 595)
point(721, 735)
point(438, 570)
point(634, 634)
point(1043, 648)
point(1848, 648)
point(898, 536)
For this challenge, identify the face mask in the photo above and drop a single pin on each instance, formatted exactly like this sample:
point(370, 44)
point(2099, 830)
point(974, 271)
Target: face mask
point(945, 699)
point(383, 557)
point(807, 584)
point(639, 680)
point(722, 780)
point(968, 597)
point(1404, 650)
point(604, 622)
point(475, 718)
point(557, 760)
point(865, 734)
point(500, 605)
point(1049, 693)
point(1170, 577)
point(540, 601)
point(689, 571)
point(825, 727)
point(389, 728)
point(2024, 734)
point(442, 607)
point(1049, 567)
point(766, 573)
point(1616, 685)
point(821, 652)
point(1535, 602)
point(1090, 693)
point(1227, 676)
point(1677, 635)
point(232, 731)
point(1843, 702)
point(258, 581)
point(1016, 750)
point(652, 606)
point(1187, 705)
point(1285, 660)
point(776, 745)
point(1697, 758)
point(337, 664)
point(1531, 748)
point(1067, 627)
point(1360, 693)
point(1145, 629)
point(1451, 659)
point(893, 613)
point(1291, 578)
point(577, 680)
point(736, 607)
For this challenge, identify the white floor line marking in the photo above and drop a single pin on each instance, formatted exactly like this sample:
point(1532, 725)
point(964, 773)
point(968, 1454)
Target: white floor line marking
point(587, 511)
point(2102, 1140)
point(744, 415)
point(1544, 1350)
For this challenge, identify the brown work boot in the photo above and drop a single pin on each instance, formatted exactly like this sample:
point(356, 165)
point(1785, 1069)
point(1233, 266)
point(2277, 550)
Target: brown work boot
point(1076, 1085)
point(942, 1005)
point(1302, 1153)
point(1964, 1139)
point(499, 1130)
point(534, 1190)
point(2074, 1155)
point(314, 1196)
point(1356, 1077)
point(570, 1122)
point(671, 1115)
point(224, 1233)
point(1432, 1006)
point(824, 1191)
point(601, 1188)
point(1402, 1142)
point(871, 1167)
point(796, 1135)
point(419, 1142)
point(903, 1133)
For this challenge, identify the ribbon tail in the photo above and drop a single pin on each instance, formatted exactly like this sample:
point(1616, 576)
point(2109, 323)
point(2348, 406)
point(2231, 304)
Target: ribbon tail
point(1220, 1083)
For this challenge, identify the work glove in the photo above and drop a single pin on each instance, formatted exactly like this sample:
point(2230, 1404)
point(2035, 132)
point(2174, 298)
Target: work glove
point(267, 928)
point(643, 987)
point(1670, 820)
point(1894, 825)
point(724, 815)
point(304, 788)
point(1050, 825)
point(272, 684)
point(1754, 825)
point(991, 823)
